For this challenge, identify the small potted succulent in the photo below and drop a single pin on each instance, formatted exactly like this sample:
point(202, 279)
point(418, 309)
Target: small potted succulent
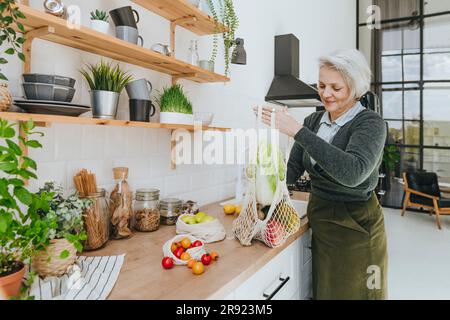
point(106, 83)
point(99, 21)
point(22, 232)
point(175, 106)
point(66, 234)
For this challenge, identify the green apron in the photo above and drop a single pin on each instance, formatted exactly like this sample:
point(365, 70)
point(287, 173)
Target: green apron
point(349, 258)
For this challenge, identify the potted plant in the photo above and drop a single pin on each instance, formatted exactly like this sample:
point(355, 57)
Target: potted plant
point(175, 106)
point(22, 232)
point(9, 15)
point(230, 20)
point(99, 21)
point(67, 233)
point(106, 83)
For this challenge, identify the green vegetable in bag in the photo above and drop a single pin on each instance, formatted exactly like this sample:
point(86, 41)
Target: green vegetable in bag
point(266, 175)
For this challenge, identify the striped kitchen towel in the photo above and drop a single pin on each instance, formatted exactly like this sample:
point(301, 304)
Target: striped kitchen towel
point(90, 278)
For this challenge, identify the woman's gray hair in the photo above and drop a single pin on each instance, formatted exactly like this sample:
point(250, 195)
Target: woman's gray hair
point(353, 67)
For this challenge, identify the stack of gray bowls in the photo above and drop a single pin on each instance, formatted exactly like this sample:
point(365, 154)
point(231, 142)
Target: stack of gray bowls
point(46, 87)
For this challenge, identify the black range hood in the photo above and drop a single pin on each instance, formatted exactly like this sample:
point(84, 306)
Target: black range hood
point(286, 89)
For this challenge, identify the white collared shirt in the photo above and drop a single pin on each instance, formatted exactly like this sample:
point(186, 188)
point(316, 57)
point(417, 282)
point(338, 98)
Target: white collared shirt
point(328, 129)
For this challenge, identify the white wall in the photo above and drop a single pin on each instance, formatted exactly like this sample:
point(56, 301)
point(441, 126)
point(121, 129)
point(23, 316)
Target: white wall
point(321, 25)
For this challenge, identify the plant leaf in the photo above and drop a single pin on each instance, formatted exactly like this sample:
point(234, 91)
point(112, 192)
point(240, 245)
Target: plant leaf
point(64, 254)
point(23, 195)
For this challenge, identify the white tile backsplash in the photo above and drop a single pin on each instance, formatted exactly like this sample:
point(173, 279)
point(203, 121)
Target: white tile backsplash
point(177, 184)
point(49, 171)
point(93, 142)
point(135, 138)
point(47, 152)
point(116, 142)
point(67, 141)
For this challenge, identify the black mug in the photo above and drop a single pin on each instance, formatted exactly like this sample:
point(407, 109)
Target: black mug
point(141, 110)
point(124, 16)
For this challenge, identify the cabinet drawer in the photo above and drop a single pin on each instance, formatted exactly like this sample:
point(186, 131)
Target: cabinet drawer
point(306, 247)
point(269, 279)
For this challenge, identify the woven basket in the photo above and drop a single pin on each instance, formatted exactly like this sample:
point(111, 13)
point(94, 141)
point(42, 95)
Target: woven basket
point(48, 263)
point(5, 97)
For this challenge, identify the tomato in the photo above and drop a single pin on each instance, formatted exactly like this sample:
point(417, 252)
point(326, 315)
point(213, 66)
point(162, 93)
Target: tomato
point(190, 263)
point(186, 243)
point(197, 243)
point(185, 256)
point(214, 255)
point(167, 263)
point(198, 268)
point(178, 252)
point(173, 247)
point(206, 259)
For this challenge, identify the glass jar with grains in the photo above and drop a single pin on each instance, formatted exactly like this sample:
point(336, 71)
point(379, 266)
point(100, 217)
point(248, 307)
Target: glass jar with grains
point(170, 209)
point(146, 210)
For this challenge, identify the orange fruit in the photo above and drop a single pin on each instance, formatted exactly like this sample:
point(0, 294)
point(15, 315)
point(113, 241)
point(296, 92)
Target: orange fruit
point(198, 268)
point(185, 256)
point(179, 244)
point(229, 209)
point(214, 255)
point(186, 243)
point(173, 247)
point(191, 263)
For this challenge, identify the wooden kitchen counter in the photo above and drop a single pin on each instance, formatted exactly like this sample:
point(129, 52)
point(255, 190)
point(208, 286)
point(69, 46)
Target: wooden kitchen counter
point(142, 276)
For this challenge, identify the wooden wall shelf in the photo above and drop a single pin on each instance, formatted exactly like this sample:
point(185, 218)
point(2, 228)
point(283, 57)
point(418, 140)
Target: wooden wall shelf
point(178, 10)
point(45, 120)
point(45, 26)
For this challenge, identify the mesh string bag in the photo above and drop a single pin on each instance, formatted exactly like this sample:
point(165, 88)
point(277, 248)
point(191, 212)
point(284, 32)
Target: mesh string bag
point(282, 220)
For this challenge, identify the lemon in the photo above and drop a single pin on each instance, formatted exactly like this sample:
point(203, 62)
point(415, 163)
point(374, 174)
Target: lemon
point(238, 209)
point(229, 209)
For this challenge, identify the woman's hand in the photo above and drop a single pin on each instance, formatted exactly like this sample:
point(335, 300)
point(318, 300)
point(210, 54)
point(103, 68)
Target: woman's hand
point(284, 122)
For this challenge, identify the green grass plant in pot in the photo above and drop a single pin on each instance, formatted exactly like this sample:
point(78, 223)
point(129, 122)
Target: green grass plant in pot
point(175, 106)
point(66, 235)
point(22, 232)
point(106, 83)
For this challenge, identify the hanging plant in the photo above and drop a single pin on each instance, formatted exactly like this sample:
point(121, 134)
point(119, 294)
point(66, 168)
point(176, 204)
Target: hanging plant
point(230, 20)
point(231, 23)
point(9, 16)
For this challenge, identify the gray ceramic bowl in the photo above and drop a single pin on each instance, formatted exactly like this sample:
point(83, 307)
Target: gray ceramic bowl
point(48, 78)
point(50, 92)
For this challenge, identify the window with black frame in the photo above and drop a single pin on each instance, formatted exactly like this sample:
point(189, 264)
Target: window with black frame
point(408, 45)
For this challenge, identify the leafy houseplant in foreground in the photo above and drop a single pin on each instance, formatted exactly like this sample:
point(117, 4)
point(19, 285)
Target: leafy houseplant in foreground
point(68, 233)
point(99, 21)
point(22, 232)
point(175, 106)
point(106, 83)
point(11, 41)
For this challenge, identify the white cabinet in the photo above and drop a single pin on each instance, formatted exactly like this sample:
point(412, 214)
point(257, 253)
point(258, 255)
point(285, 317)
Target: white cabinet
point(286, 277)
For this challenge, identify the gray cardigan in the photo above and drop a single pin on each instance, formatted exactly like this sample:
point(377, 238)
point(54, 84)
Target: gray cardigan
point(347, 169)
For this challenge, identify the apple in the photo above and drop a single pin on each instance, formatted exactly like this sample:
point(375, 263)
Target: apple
point(206, 259)
point(179, 252)
point(274, 233)
point(197, 243)
point(167, 263)
point(199, 216)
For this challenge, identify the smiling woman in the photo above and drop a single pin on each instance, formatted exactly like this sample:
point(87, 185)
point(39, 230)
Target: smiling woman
point(341, 149)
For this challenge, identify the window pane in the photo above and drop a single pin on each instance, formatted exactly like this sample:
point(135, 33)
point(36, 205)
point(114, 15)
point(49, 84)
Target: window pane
point(412, 67)
point(410, 159)
point(412, 133)
point(434, 6)
point(436, 102)
point(409, 134)
point(436, 33)
point(436, 66)
point(391, 68)
point(437, 161)
point(389, 9)
point(392, 104)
